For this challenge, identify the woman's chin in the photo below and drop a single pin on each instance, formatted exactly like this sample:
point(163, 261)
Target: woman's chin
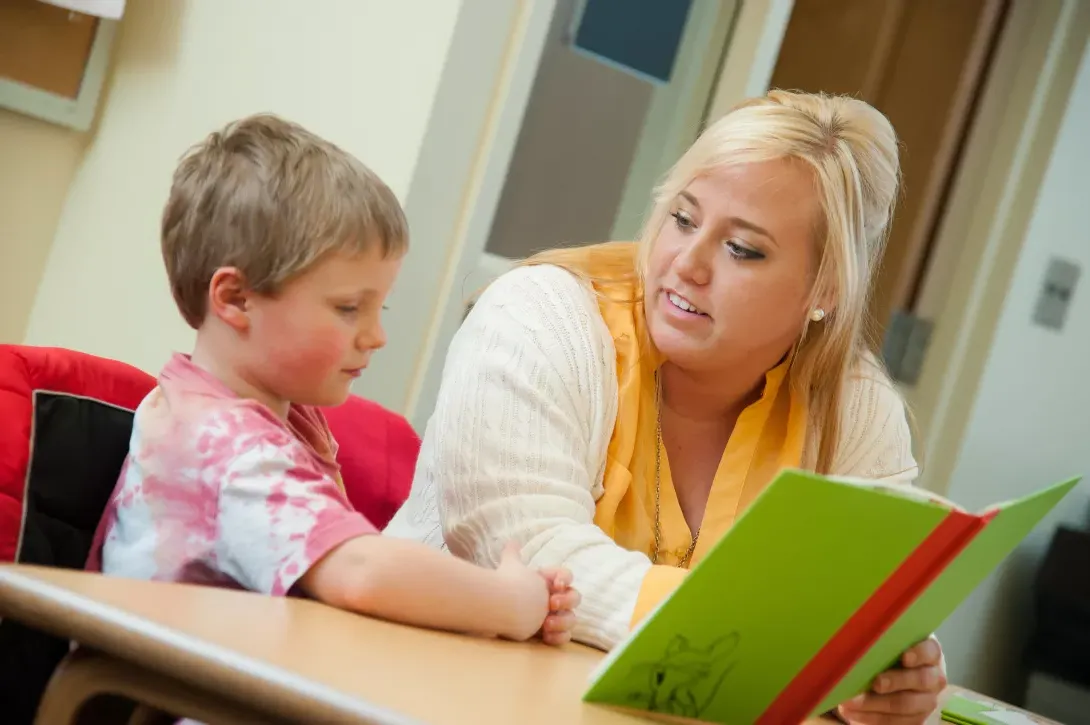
point(679, 348)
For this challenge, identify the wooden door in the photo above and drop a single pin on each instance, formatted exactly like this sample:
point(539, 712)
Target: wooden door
point(921, 62)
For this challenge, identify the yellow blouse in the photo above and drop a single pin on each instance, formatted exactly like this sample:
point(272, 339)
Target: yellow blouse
point(768, 436)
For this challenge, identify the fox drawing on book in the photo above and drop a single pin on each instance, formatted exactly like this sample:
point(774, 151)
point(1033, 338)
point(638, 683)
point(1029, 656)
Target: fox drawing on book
point(687, 678)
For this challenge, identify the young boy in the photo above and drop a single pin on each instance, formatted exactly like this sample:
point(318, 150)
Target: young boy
point(280, 249)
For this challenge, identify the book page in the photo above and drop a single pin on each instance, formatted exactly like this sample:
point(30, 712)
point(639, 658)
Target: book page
point(900, 489)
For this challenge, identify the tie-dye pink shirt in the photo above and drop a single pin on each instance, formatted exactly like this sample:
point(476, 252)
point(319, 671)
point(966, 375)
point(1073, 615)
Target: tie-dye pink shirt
point(218, 490)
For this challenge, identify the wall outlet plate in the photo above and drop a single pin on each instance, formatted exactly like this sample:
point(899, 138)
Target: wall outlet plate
point(1057, 291)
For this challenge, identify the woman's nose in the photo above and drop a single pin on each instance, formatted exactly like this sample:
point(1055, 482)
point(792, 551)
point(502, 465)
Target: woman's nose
point(694, 263)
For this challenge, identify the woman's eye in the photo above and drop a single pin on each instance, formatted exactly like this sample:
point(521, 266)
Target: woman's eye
point(683, 221)
point(740, 251)
point(348, 309)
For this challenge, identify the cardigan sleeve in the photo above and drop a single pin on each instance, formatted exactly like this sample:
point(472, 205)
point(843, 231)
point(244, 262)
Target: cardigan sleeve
point(875, 439)
point(516, 446)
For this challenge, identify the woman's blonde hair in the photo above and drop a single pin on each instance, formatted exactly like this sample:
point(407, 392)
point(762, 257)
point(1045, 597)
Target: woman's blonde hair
point(851, 150)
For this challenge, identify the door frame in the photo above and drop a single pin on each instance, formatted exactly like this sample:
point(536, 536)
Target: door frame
point(677, 110)
point(455, 203)
point(990, 206)
point(751, 56)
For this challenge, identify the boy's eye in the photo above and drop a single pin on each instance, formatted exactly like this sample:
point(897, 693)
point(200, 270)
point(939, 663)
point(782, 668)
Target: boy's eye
point(348, 309)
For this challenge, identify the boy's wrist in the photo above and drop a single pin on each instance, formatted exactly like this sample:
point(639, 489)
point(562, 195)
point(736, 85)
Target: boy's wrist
point(516, 611)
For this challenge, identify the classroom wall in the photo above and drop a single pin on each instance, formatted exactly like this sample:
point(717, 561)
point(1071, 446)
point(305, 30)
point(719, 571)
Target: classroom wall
point(37, 163)
point(1028, 423)
point(363, 73)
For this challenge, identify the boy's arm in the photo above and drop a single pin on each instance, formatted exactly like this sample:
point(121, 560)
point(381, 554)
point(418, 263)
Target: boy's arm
point(283, 525)
point(409, 582)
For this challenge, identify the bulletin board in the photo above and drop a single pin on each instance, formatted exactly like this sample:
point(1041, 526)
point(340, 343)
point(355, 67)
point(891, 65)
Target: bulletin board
point(52, 61)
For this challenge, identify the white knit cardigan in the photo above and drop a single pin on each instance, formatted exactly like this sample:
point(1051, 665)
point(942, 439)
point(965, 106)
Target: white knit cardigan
point(516, 447)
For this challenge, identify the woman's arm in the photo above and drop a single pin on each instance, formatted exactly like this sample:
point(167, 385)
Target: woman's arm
point(875, 438)
point(516, 446)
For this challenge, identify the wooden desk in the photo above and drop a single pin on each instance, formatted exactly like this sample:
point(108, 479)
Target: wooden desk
point(299, 660)
point(304, 661)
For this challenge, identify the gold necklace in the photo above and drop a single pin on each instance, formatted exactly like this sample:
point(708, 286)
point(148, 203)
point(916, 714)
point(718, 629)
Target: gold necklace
point(658, 486)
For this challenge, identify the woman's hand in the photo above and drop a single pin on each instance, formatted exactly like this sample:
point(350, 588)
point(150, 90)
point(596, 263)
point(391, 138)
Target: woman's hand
point(902, 696)
point(558, 625)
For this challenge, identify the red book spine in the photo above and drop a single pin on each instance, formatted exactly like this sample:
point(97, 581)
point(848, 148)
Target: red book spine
point(873, 618)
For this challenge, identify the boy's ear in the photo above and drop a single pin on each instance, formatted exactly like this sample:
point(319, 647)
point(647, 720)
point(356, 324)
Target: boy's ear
point(228, 297)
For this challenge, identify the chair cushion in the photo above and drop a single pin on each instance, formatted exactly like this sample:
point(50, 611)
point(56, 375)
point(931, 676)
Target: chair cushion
point(377, 450)
point(65, 417)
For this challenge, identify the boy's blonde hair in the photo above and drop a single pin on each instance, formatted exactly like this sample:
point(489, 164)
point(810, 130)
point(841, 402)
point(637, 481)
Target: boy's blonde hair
point(270, 198)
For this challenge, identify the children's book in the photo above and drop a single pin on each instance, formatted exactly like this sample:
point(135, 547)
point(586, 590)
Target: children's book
point(817, 588)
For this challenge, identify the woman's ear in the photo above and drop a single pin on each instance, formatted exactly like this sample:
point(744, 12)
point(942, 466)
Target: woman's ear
point(228, 298)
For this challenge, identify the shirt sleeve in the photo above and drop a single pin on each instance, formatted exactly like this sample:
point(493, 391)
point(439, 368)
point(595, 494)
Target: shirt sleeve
point(875, 438)
point(278, 515)
point(515, 447)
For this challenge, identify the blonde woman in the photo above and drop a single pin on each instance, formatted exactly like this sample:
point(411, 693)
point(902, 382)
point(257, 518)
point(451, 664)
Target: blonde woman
point(614, 408)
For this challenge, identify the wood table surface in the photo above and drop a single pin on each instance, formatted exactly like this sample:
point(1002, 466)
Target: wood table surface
point(301, 660)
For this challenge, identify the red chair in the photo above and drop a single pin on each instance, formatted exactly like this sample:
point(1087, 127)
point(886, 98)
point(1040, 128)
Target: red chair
point(377, 453)
point(65, 422)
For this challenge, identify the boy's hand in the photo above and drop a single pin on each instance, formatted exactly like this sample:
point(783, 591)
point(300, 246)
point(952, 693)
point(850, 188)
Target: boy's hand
point(528, 593)
point(563, 600)
point(542, 602)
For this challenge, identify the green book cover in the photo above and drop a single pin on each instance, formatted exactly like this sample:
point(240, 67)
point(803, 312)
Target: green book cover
point(801, 561)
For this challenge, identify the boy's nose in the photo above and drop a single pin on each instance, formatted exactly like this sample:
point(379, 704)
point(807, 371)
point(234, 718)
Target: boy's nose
point(372, 338)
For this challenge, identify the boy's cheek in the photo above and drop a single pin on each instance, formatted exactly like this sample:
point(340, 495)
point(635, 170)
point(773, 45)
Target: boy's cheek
point(317, 354)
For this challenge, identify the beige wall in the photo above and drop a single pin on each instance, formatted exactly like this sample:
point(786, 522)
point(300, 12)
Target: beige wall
point(363, 73)
point(37, 163)
point(1027, 424)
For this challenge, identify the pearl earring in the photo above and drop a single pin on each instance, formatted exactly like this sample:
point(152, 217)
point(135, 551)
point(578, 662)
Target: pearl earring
point(817, 315)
